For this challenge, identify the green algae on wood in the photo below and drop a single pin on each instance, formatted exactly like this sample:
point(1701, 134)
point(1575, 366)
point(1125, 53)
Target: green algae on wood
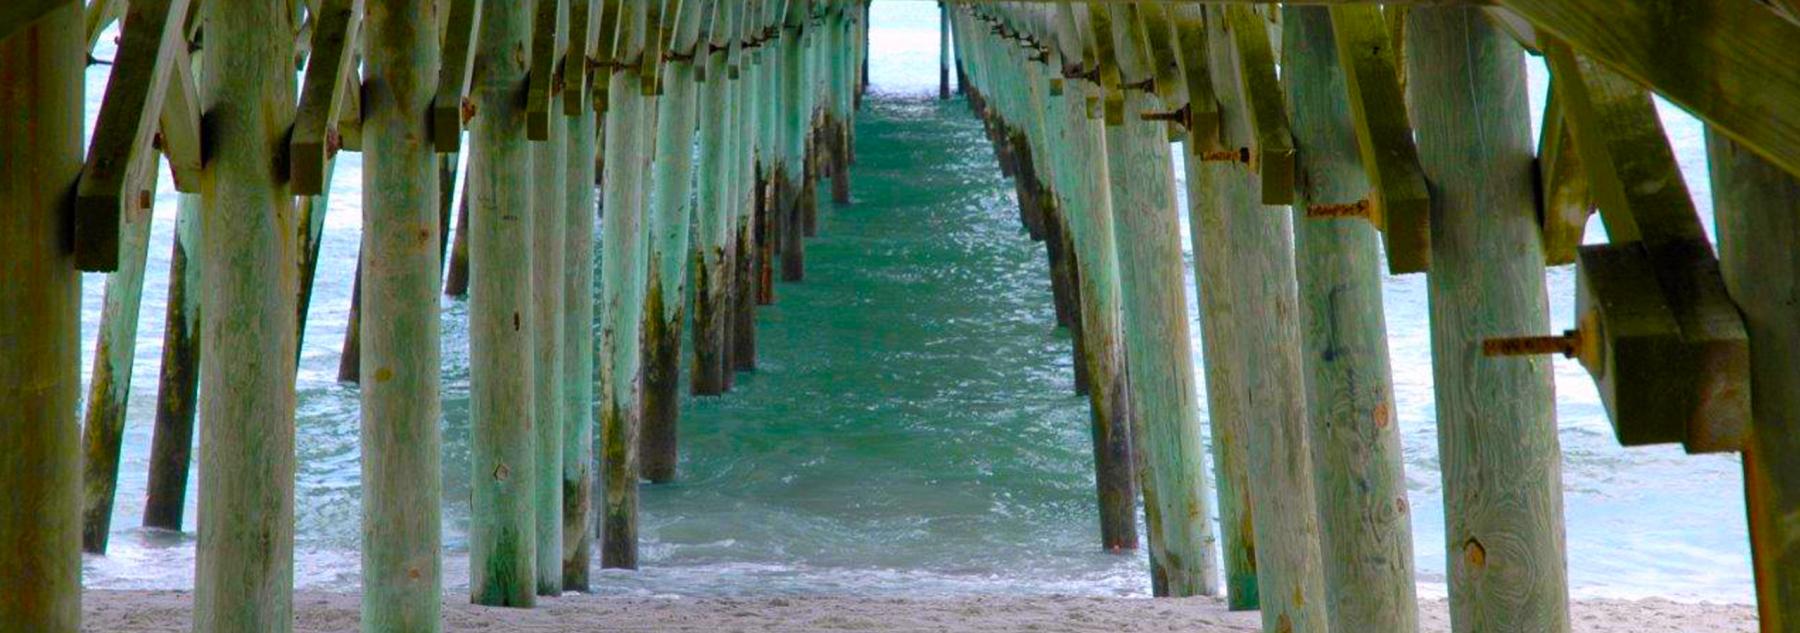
point(109, 389)
point(243, 577)
point(708, 256)
point(502, 552)
point(1502, 472)
point(1365, 520)
point(401, 469)
point(178, 383)
point(40, 368)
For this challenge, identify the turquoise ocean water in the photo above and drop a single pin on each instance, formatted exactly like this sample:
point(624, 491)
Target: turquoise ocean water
point(912, 427)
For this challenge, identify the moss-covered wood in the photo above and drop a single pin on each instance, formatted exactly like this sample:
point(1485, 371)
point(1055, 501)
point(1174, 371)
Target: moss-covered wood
point(178, 383)
point(623, 259)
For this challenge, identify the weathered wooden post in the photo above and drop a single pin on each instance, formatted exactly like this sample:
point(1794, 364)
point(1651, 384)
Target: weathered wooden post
point(549, 158)
point(840, 115)
point(1755, 204)
point(791, 114)
point(1081, 174)
point(456, 281)
point(1165, 412)
point(718, 179)
point(244, 563)
point(1496, 423)
point(1366, 530)
point(178, 385)
point(402, 489)
point(109, 390)
point(670, 214)
point(622, 267)
point(502, 523)
point(748, 258)
point(586, 34)
point(40, 367)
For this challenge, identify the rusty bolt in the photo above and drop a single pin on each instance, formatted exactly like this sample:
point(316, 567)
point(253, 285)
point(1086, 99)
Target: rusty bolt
point(1358, 209)
point(1567, 344)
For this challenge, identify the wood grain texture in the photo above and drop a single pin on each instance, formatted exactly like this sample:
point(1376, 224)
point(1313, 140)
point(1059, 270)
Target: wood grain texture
point(1358, 465)
point(1758, 226)
point(549, 195)
point(401, 406)
point(40, 322)
point(1496, 421)
point(502, 411)
point(1400, 203)
point(244, 563)
point(1256, 265)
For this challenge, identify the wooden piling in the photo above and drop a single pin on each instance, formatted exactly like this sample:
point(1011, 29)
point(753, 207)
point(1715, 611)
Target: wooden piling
point(623, 258)
point(402, 245)
point(1082, 172)
point(40, 367)
point(585, 34)
point(1365, 519)
point(502, 522)
point(713, 216)
point(115, 350)
point(1497, 440)
point(549, 194)
point(456, 281)
point(670, 214)
point(1754, 204)
point(178, 385)
point(350, 359)
point(1165, 412)
point(790, 170)
point(244, 563)
point(747, 256)
point(839, 112)
point(943, 51)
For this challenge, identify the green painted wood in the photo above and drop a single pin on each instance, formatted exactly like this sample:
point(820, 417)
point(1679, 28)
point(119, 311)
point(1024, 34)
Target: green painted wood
point(115, 349)
point(671, 214)
point(717, 180)
point(1358, 465)
point(1224, 377)
point(623, 264)
point(549, 197)
point(243, 577)
point(178, 384)
point(1496, 421)
point(1754, 202)
point(502, 521)
point(123, 129)
point(401, 405)
point(40, 365)
point(578, 349)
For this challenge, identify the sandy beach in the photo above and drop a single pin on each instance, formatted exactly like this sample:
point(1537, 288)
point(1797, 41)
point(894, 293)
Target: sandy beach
point(168, 612)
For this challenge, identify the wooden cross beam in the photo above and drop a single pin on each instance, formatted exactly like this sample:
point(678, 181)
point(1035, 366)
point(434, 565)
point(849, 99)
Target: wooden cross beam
point(315, 138)
point(1400, 205)
point(1565, 202)
point(180, 123)
point(448, 111)
point(549, 39)
point(123, 131)
point(1272, 155)
point(584, 40)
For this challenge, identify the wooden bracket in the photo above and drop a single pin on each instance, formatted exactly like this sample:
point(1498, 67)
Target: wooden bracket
point(584, 38)
point(1189, 32)
point(349, 121)
point(656, 41)
point(448, 110)
point(1400, 201)
point(1273, 157)
point(124, 129)
point(1564, 201)
point(179, 124)
point(316, 136)
point(604, 56)
point(548, 41)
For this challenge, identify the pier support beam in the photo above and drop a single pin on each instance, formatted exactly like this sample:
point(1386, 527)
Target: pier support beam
point(1366, 529)
point(710, 256)
point(502, 464)
point(578, 323)
point(178, 385)
point(40, 289)
point(1502, 464)
point(401, 469)
point(245, 560)
point(623, 256)
point(549, 194)
point(791, 173)
point(1759, 239)
point(670, 214)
